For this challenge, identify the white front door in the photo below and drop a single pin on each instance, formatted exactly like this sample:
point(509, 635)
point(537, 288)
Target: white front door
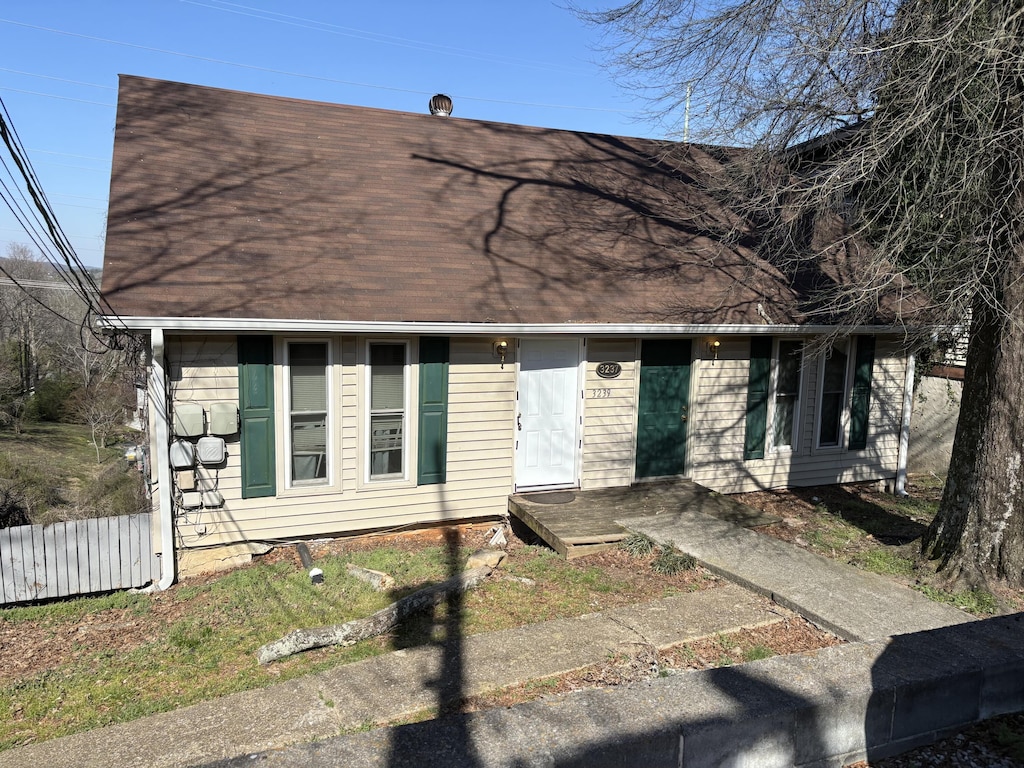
point(547, 413)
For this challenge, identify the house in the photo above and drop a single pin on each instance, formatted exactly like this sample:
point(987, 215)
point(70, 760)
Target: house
point(936, 411)
point(385, 320)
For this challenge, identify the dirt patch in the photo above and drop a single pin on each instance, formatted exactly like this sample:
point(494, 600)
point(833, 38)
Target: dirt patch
point(639, 661)
point(32, 647)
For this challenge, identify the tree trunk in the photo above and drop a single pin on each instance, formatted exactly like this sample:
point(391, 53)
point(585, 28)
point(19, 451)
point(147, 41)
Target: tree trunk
point(978, 533)
point(382, 621)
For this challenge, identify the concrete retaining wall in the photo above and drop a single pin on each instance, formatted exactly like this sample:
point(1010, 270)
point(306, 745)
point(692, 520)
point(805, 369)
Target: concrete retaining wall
point(825, 708)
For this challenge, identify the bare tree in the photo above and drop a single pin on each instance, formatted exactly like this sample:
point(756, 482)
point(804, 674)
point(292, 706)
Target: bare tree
point(892, 131)
point(101, 406)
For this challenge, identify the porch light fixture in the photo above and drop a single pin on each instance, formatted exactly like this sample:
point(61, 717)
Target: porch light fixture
point(713, 347)
point(500, 350)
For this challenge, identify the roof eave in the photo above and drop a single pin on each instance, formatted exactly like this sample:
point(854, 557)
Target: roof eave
point(259, 325)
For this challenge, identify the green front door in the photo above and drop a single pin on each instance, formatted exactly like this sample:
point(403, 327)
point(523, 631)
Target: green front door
point(663, 410)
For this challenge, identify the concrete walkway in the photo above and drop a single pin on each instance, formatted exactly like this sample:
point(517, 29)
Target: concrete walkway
point(847, 601)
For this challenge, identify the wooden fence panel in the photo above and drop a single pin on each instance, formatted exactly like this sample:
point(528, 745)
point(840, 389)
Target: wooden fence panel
point(6, 568)
point(24, 564)
point(76, 557)
point(96, 559)
point(60, 547)
point(71, 552)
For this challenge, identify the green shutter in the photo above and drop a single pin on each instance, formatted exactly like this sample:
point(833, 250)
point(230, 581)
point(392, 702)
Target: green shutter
point(256, 411)
point(861, 400)
point(757, 396)
point(433, 410)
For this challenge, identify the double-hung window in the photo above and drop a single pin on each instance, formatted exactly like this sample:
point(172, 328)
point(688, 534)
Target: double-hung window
point(388, 388)
point(785, 393)
point(833, 369)
point(308, 412)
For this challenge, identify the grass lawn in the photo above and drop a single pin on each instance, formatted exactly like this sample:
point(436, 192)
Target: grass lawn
point(78, 664)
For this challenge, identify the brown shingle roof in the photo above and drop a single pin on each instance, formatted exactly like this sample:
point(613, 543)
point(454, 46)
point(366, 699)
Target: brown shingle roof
point(227, 204)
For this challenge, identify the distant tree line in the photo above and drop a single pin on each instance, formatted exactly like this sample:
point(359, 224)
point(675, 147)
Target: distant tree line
point(52, 367)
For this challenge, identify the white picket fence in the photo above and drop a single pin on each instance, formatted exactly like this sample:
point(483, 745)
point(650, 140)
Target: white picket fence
point(76, 558)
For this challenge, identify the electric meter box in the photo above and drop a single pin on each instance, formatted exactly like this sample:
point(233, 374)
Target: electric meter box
point(188, 420)
point(210, 450)
point(191, 500)
point(185, 480)
point(182, 454)
point(212, 499)
point(223, 419)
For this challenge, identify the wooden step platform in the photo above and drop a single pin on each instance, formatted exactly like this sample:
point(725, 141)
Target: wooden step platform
point(577, 523)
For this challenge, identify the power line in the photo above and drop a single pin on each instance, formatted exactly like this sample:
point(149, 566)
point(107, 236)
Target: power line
point(374, 37)
point(38, 219)
point(21, 230)
point(68, 154)
point(271, 70)
point(55, 96)
point(58, 79)
point(105, 171)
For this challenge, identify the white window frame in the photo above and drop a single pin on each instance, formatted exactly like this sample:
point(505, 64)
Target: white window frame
point(773, 392)
point(844, 408)
point(328, 479)
point(368, 413)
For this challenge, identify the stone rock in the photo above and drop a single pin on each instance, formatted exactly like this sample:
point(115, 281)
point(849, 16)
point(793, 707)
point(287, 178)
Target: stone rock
point(492, 558)
point(194, 562)
point(377, 579)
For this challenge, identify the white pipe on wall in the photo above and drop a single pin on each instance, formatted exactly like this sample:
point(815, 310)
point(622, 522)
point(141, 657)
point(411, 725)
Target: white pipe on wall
point(162, 459)
point(908, 409)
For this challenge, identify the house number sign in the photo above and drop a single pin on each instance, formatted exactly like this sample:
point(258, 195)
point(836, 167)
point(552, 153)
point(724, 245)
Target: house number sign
point(609, 370)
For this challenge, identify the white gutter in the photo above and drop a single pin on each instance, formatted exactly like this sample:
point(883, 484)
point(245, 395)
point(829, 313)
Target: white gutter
point(908, 409)
point(158, 401)
point(255, 325)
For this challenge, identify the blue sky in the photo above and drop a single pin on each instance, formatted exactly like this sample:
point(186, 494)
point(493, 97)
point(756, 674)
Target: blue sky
point(529, 62)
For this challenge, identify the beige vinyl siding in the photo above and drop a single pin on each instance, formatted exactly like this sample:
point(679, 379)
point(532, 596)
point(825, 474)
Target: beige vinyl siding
point(718, 423)
point(609, 415)
point(204, 370)
point(480, 439)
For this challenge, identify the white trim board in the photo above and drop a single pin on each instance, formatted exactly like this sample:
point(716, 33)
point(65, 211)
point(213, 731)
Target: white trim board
point(254, 325)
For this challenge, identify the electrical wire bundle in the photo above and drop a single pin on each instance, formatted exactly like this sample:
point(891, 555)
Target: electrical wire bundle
point(24, 196)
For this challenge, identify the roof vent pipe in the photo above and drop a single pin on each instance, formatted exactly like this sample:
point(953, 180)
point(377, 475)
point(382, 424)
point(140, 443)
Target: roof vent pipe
point(441, 105)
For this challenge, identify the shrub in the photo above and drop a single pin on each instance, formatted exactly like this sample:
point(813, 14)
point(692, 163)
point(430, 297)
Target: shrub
point(638, 545)
point(12, 506)
point(117, 490)
point(669, 562)
point(52, 400)
point(26, 488)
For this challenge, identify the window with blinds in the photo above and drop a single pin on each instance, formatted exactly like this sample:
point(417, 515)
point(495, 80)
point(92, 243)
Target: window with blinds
point(786, 401)
point(387, 410)
point(308, 412)
point(832, 396)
